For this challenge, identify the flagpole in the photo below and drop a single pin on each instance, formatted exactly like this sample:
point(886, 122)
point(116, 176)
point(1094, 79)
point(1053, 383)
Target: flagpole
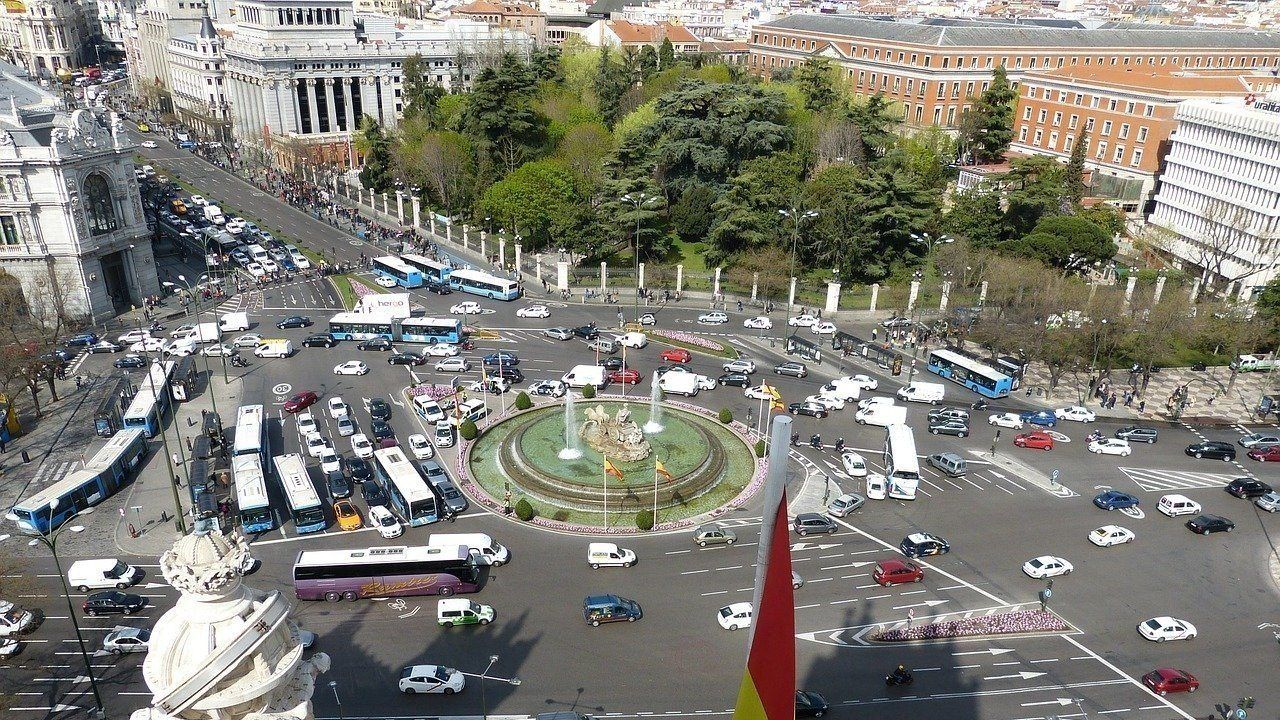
point(655, 495)
point(606, 492)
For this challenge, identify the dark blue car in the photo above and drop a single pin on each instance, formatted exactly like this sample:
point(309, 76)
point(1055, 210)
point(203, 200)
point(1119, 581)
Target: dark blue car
point(1043, 418)
point(84, 340)
point(502, 358)
point(1115, 500)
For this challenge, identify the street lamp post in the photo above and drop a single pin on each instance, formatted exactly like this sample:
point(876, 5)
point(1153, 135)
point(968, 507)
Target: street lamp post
point(639, 200)
point(796, 218)
point(484, 704)
point(1097, 376)
point(195, 298)
point(333, 685)
point(51, 542)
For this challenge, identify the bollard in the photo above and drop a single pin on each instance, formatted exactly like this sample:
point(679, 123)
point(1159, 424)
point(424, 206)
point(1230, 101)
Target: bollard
point(25, 457)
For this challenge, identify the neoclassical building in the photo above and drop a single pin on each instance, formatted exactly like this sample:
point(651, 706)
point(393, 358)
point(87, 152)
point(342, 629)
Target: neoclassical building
point(48, 38)
point(72, 230)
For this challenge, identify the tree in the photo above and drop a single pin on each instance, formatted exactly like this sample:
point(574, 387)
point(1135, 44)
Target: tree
point(1034, 187)
point(545, 63)
point(769, 266)
point(666, 54)
point(33, 324)
point(523, 402)
point(725, 416)
point(816, 79)
point(747, 213)
point(500, 117)
point(992, 124)
point(637, 221)
point(1061, 239)
point(468, 430)
point(926, 155)
point(838, 139)
point(1074, 176)
point(1268, 302)
point(611, 83)
point(541, 202)
point(692, 214)
point(374, 145)
point(1214, 251)
point(644, 518)
point(583, 150)
point(876, 123)
point(440, 161)
point(976, 216)
point(420, 95)
point(648, 62)
point(524, 510)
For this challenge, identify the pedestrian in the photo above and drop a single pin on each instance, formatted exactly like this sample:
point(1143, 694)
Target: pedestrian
point(1142, 406)
point(174, 458)
point(3, 446)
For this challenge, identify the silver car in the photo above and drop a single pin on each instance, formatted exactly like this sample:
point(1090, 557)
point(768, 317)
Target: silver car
point(559, 333)
point(127, 640)
point(346, 427)
point(1269, 502)
point(713, 534)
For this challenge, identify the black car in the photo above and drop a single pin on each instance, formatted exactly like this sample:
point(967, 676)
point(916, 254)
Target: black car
point(1212, 449)
point(359, 470)
point(502, 358)
point(1247, 487)
point(810, 704)
point(612, 364)
point(373, 493)
point(379, 409)
point(948, 413)
point(437, 287)
point(1205, 524)
point(338, 484)
point(736, 380)
point(949, 427)
point(380, 344)
point(586, 332)
point(1137, 433)
point(510, 374)
point(811, 522)
point(294, 321)
point(113, 602)
point(320, 340)
point(381, 430)
point(405, 358)
point(808, 408)
point(130, 362)
point(923, 544)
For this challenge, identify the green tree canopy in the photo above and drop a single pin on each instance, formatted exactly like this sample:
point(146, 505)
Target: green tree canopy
point(1058, 239)
point(540, 201)
point(500, 116)
point(976, 216)
point(816, 80)
point(991, 127)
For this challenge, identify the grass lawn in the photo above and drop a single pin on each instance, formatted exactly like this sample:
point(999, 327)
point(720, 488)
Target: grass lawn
point(343, 284)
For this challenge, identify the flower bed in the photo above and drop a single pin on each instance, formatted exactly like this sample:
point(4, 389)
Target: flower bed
point(690, 341)
point(361, 290)
point(433, 391)
point(1025, 621)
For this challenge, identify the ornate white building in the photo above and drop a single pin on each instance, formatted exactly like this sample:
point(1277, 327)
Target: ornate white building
point(47, 37)
point(1219, 197)
point(72, 229)
point(198, 75)
point(158, 22)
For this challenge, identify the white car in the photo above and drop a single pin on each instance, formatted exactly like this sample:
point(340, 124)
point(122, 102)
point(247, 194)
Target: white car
point(133, 336)
point(558, 333)
point(1109, 535)
point(534, 311)
point(301, 261)
point(385, 281)
point(1160, 629)
point(149, 144)
point(453, 364)
point(338, 407)
point(218, 349)
point(441, 350)
point(385, 522)
point(269, 265)
point(864, 382)
point(803, 321)
point(845, 504)
point(1110, 446)
point(329, 460)
point(361, 446)
point(151, 344)
point(1046, 566)
point(868, 403)
point(740, 366)
point(256, 270)
point(759, 322)
point(824, 328)
point(713, 318)
point(466, 308)
point(758, 393)
point(198, 200)
point(422, 449)
point(315, 444)
point(248, 340)
point(1012, 421)
point(735, 616)
point(127, 640)
point(1077, 413)
point(648, 319)
point(854, 464)
point(306, 424)
point(431, 679)
point(351, 367)
point(829, 402)
point(706, 382)
point(550, 388)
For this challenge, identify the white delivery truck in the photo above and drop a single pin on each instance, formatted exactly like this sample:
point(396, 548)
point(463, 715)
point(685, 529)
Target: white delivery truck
point(276, 348)
point(922, 392)
point(213, 214)
point(882, 415)
point(607, 554)
point(205, 332)
point(679, 383)
point(234, 322)
point(841, 389)
point(482, 547)
point(583, 375)
point(86, 575)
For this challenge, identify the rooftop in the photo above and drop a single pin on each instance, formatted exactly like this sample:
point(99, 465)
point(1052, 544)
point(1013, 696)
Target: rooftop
point(1169, 80)
point(629, 32)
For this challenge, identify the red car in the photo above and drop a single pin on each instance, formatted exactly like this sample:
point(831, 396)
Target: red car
point(894, 572)
point(1036, 440)
point(301, 401)
point(1163, 681)
point(1271, 454)
point(626, 377)
point(679, 355)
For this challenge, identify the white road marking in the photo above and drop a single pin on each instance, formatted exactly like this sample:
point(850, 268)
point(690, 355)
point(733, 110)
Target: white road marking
point(1129, 679)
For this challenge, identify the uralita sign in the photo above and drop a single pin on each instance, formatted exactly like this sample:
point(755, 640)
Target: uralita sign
point(395, 304)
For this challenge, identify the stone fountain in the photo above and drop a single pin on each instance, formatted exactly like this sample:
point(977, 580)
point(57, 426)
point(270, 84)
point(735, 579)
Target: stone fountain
point(617, 437)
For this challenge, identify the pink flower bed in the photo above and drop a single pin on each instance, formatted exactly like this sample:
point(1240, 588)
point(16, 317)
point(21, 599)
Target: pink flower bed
point(1025, 621)
point(361, 290)
point(435, 392)
point(689, 339)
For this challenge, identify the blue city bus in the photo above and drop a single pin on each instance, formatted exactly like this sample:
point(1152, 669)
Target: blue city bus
point(107, 419)
point(484, 284)
point(305, 508)
point(970, 373)
point(402, 273)
point(431, 270)
point(251, 494)
point(104, 474)
point(362, 326)
point(430, 330)
point(408, 491)
point(149, 404)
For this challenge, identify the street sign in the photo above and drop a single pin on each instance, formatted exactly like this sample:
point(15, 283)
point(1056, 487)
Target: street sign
point(1054, 475)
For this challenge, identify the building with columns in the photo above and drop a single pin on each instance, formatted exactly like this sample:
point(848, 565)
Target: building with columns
point(48, 38)
point(301, 76)
point(198, 75)
point(72, 230)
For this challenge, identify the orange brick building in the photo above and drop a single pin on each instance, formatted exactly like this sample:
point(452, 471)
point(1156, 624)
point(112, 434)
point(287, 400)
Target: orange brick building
point(511, 15)
point(935, 67)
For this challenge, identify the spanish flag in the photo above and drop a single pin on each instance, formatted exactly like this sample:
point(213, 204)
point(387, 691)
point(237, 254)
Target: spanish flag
point(611, 469)
point(768, 689)
point(662, 470)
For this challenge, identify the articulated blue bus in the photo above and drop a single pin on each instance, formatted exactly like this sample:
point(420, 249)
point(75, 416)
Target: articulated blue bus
point(970, 373)
point(402, 273)
point(431, 270)
point(484, 284)
point(104, 474)
point(367, 326)
point(149, 405)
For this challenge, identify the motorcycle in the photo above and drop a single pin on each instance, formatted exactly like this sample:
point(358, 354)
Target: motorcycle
point(795, 439)
point(815, 442)
point(237, 361)
point(895, 678)
point(839, 445)
point(1094, 436)
point(980, 405)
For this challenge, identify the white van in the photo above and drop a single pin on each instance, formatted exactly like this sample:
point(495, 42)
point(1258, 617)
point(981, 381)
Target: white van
point(258, 253)
point(472, 410)
point(386, 523)
point(1175, 505)
point(86, 575)
point(14, 620)
point(604, 554)
point(583, 375)
point(428, 409)
point(841, 390)
point(234, 322)
point(679, 383)
point(634, 340)
point(483, 547)
point(274, 348)
point(922, 392)
point(882, 415)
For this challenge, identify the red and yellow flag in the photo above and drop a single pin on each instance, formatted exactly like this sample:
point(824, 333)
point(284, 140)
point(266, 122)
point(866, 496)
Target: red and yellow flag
point(611, 469)
point(768, 690)
point(661, 470)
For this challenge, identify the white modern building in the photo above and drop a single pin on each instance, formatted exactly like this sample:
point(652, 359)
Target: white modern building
point(47, 38)
point(1217, 205)
point(72, 229)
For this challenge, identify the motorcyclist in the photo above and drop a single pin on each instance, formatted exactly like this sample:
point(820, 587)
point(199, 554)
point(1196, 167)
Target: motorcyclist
point(901, 675)
point(815, 441)
point(795, 439)
point(839, 445)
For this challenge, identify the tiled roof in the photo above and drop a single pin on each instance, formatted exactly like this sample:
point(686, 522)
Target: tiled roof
point(1167, 80)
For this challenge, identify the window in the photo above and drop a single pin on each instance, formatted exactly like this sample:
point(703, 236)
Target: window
point(1129, 108)
point(1119, 154)
point(1148, 111)
point(1111, 105)
point(1142, 134)
point(1088, 125)
point(1124, 131)
point(1137, 158)
point(1102, 150)
point(98, 205)
point(1022, 134)
point(1038, 137)
point(1057, 119)
point(1026, 114)
point(1106, 128)
point(1068, 143)
point(9, 231)
point(1043, 115)
point(1075, 119)
point(1053, 141)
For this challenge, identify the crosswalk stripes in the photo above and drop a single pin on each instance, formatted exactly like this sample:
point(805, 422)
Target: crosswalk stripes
point(49, 473)
point(1160, 480)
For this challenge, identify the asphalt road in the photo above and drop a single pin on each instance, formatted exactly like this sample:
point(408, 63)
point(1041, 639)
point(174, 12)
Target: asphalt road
point(677, 660)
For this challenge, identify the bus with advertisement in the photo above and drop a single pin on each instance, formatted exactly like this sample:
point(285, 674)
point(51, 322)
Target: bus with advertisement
point(378, 572)
point(305, 508)
point(404, 275)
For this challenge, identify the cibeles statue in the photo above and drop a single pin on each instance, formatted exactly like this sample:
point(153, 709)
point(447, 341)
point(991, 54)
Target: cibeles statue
point(226, 651)
point(617, 437)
